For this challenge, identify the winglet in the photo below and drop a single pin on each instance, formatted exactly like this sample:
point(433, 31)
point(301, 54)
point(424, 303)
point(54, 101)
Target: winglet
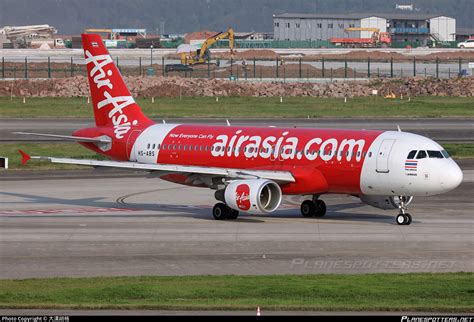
point(25, 157)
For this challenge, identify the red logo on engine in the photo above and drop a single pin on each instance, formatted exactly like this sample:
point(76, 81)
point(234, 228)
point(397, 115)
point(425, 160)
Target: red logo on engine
point(242, 196)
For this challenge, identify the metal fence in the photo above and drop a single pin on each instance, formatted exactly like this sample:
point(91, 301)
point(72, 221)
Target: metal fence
point(277, 69)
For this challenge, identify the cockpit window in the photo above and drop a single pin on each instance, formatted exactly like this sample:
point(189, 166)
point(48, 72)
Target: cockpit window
point(411, 155)
point(421, 154)
point(435, 154)
point(445, 154)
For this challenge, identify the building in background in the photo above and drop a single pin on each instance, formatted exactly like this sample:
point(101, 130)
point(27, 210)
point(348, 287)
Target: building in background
point(28, 36)
point(417, 29)
point(463, 34)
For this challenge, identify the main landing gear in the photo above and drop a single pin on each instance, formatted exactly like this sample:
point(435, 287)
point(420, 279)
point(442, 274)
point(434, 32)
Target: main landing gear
point(313, 208)
point(403, 218)
point(221, 212)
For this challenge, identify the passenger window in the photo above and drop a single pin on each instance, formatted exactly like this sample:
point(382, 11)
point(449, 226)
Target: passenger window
point(153, 146)
point(185, 147)
point(148, 146)
point(435, 154)
point(412, 154)
point(158, 146)
point(370, 154)
point(421, 154)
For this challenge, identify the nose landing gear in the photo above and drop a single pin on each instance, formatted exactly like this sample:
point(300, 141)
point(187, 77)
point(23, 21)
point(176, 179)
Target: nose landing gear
point(403, 218)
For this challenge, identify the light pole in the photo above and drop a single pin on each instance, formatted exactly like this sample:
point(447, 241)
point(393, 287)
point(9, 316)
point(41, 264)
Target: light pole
point(151, 55)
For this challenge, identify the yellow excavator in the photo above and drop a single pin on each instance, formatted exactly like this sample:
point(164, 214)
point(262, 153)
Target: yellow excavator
point(203, 55)
point(190, 57)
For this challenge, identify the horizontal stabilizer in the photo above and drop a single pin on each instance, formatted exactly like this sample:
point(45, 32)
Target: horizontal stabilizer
point(69, 137)
point(24, 157)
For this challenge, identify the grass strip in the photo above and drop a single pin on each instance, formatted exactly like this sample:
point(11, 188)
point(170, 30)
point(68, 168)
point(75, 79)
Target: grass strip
point(441, 292)
point(251, 107)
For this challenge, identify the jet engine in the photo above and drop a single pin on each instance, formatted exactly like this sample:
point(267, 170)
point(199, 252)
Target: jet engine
point(384, 202)
point(255, 196)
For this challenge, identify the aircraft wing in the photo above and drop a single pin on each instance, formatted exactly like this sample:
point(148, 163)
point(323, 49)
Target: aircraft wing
point(278, 176)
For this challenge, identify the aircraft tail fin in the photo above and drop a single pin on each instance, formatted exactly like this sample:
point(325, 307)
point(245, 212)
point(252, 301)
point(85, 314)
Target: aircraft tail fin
point(111, 99)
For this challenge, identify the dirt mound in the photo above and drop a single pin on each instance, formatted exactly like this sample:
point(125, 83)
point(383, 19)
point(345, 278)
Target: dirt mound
point(177, 86)
point(357, 55)
point(376, 55)
point(239, 54)
point(455, 55)
point(199, 35)
point(260, 54)
point(418, 86)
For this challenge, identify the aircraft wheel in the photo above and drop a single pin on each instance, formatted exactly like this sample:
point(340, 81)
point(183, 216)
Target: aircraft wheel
point(320, 208)
point(408, 219)
point(308, 208)
point(404, 219)
point(220, 211)
point(233, 214)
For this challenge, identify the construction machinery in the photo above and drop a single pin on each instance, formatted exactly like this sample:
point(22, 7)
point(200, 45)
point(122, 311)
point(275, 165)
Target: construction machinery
point(191, 55)
point(378, 39)
point(203, 54)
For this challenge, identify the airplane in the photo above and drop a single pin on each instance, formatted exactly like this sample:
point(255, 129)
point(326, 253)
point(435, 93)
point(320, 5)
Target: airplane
point(251, 168)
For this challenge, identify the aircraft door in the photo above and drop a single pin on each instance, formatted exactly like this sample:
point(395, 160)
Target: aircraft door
point(383, 156)
point(130, 142)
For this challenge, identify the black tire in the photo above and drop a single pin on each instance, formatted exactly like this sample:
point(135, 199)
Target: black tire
point(408, 219)
point(308, 208)
point(320, 208)
point(402, 219)
point(233, 214)
point(220, 211)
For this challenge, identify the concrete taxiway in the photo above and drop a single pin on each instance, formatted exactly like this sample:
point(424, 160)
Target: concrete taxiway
point(113, 225)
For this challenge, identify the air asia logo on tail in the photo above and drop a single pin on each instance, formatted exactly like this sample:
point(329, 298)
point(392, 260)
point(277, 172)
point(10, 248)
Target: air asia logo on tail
point(242, 196)
point(101, 78)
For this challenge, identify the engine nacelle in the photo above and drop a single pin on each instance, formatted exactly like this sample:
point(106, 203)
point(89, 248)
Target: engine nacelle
point(256, 196)
point(384, 202)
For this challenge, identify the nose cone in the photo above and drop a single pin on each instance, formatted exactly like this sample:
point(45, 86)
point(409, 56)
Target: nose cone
point(451, 177)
